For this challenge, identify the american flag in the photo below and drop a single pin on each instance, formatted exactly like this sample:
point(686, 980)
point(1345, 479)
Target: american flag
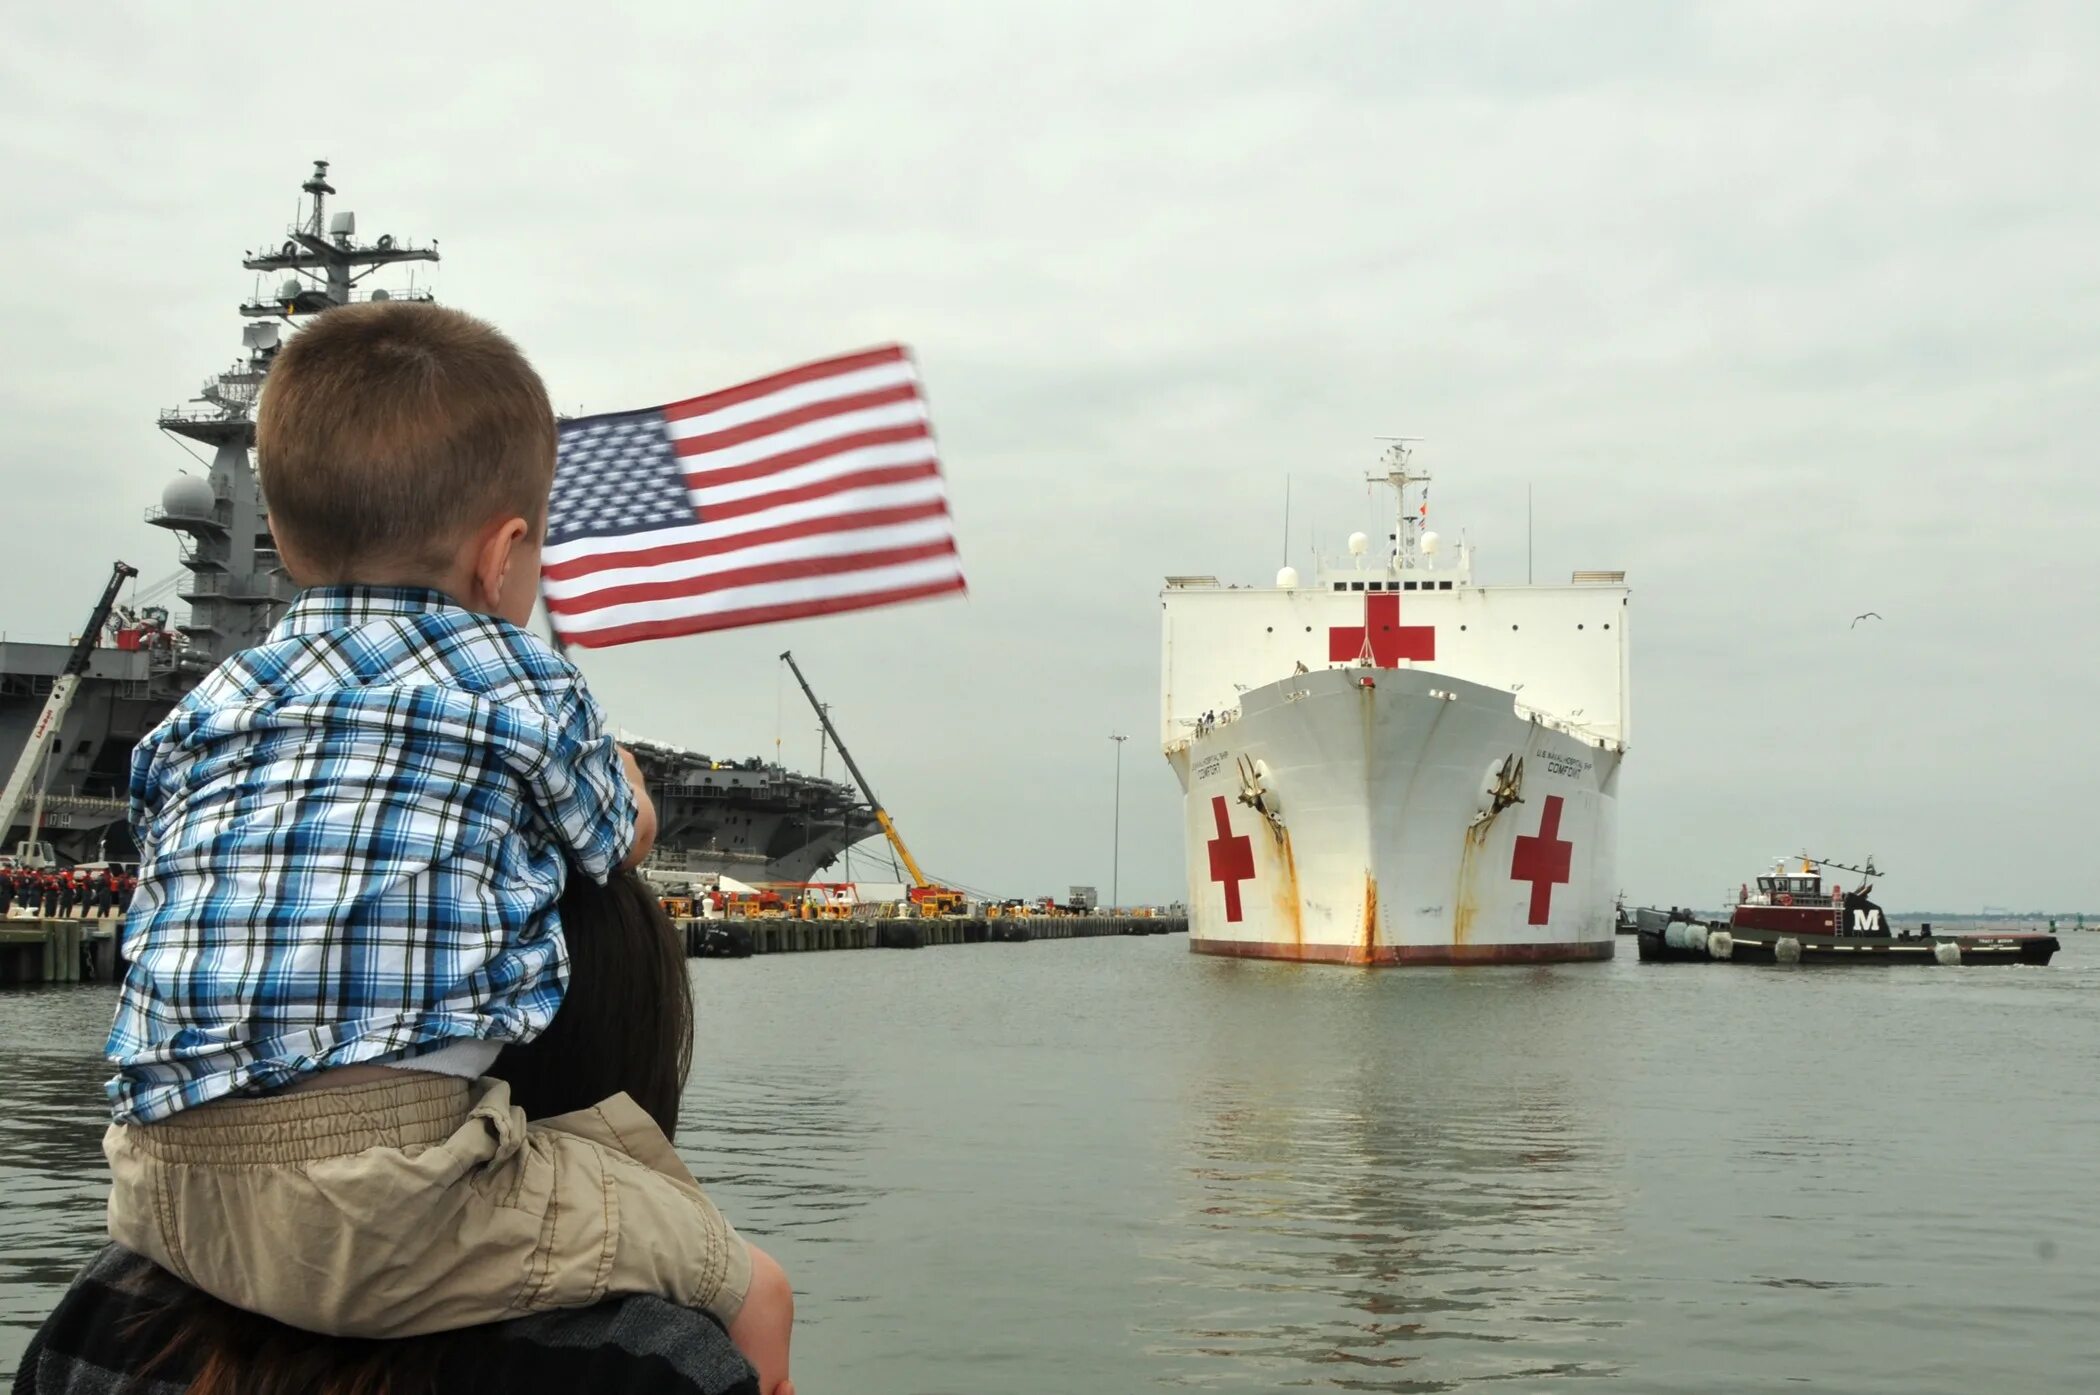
point(810, 492)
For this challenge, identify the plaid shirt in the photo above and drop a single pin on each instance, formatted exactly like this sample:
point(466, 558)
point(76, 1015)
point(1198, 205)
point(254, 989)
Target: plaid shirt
point(353, 837)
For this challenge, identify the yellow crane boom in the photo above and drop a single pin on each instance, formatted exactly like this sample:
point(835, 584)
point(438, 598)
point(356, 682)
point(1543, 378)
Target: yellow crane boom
point(882, 816)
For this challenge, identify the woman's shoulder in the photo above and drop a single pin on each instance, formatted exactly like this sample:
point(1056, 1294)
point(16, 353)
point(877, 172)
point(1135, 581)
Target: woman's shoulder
point(633, 1343)
point(119, 1320)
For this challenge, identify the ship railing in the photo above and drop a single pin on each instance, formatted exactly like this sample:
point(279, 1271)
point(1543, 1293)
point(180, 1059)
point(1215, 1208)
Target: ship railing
point(414, 294)
point(221, 514)
point(246, 586)
point(232, 411)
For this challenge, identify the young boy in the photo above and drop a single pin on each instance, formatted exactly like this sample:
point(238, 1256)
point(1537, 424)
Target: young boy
point(353, 837)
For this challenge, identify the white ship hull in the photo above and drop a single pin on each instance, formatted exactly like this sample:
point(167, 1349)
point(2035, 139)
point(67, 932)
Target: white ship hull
point(1382, 840)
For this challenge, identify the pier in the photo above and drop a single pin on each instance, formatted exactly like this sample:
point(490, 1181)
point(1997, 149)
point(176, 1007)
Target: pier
point(53, 950)
point(57, 950)
point(737, 938)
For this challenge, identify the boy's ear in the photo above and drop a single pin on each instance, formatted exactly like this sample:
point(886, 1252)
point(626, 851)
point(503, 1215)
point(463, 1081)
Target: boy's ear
point(493, 563)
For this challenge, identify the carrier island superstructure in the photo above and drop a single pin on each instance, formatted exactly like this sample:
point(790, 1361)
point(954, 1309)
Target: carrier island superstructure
point(1390, 764)
point(750, 819)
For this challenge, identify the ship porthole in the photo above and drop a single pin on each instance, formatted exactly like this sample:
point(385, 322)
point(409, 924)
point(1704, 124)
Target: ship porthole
point(1512, 627)
point(1271, 630)
point(1578, 627)
point(1461, 629)
point(1607, 627)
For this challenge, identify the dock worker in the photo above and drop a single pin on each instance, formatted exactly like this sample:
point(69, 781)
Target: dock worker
point(105, 892)
point(624, 1026)
point(7, 890)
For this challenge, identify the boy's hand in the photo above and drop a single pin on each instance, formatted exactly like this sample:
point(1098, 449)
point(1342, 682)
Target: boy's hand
point(762, 1325)
point(644, 814)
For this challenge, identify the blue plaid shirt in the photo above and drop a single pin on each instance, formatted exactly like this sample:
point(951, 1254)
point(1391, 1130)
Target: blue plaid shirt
point(352, 839)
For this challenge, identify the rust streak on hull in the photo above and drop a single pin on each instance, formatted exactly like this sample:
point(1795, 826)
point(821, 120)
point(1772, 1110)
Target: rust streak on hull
point(1466, 905)
point(1288, 907)
point(1370, 950)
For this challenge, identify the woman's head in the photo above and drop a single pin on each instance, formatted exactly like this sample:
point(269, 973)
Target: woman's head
point(626, 1022)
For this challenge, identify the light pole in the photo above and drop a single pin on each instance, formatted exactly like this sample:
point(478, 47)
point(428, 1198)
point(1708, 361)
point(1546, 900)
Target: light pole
point(1115, 875)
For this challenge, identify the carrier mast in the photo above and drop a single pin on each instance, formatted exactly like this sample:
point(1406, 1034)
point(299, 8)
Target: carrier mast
point(237, 583)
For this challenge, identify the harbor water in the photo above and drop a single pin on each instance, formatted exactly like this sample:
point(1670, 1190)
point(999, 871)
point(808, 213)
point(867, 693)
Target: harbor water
point(1107, 1165)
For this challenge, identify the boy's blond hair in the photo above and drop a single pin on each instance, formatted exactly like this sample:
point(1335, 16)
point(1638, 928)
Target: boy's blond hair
point(390, 430)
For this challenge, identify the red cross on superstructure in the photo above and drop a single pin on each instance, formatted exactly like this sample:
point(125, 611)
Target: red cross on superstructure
point(1231, 859)
point(1388, 639)
point(1543, 861)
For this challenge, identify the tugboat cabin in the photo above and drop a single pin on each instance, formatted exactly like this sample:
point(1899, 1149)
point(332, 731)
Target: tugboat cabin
point(1791, 900)
point(1785, 890)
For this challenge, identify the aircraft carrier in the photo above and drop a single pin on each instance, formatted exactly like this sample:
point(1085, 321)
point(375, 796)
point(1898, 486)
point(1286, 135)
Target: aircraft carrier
point(750, 819)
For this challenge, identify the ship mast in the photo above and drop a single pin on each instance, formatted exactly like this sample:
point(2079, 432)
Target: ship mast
point(1412, 520)
point(237, 586)
point(327, 260)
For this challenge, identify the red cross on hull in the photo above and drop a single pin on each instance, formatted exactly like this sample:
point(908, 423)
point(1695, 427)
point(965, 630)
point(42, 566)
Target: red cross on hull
point(1231, 859)
point(1543, 861)
point(1389, 641)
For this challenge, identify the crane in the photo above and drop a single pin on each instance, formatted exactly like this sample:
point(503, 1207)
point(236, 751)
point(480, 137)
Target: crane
point(62, 690)
point(932, 900)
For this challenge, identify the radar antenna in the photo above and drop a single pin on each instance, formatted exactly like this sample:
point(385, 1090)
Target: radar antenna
point(1870, 870)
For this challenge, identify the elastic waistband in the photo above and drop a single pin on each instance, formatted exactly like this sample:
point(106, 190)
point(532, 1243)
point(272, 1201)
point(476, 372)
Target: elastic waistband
point(309, 1125)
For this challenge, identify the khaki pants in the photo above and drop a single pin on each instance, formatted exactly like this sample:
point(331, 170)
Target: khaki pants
point(423, 1205)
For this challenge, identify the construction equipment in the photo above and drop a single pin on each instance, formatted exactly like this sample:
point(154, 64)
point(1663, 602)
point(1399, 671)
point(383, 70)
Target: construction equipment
point(926, 897)
point(52, 718)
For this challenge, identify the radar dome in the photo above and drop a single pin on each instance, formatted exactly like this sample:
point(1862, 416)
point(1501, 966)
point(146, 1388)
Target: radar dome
point(1359, 543)
point(1286, 578)
point(188, 497)
point(1430, 543)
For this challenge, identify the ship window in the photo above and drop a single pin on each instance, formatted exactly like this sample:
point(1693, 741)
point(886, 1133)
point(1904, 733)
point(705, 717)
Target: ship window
point(1356, 586)
point(1341, 586)
point(1407, 586)
point(1443, 586)
point(1375, 586)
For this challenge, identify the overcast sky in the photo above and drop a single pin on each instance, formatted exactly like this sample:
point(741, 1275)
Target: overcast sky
point(1791, 311)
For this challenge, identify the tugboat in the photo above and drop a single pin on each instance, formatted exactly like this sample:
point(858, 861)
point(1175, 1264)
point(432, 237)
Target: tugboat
point(1789, 917)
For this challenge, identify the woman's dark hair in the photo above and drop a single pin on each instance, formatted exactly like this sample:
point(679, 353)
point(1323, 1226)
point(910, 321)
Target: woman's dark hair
point(626, 1023)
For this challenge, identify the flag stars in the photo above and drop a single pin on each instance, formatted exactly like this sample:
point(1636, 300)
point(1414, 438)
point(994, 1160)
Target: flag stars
point(616, 475)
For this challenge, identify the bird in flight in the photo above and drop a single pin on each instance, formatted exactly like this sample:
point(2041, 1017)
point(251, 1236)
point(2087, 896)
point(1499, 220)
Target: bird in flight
point(1865, 615)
